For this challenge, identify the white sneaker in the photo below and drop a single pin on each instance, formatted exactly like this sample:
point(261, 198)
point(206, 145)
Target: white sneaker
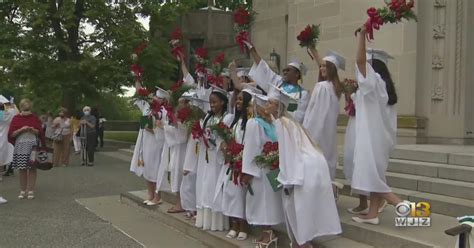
point(3, 200)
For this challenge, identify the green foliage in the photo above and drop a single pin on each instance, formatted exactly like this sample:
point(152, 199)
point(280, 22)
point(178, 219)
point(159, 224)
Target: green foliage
point(233, 4)
point(125, 136)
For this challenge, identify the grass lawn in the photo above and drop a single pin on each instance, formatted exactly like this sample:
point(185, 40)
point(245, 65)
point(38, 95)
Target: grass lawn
point(126, 136)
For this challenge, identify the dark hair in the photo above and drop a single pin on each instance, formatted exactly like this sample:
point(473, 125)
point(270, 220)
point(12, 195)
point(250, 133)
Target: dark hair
point(243, 111)
point(223, 98)
point(382, 70)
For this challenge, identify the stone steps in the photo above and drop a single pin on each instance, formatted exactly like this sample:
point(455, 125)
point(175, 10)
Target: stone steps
point(446, 205)
point(453, 155)
point(218, 239)
point(459, 189)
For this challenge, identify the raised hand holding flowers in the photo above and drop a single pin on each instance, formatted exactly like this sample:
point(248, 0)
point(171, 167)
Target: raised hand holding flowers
point(393, 12)
point(243, 19)
point(177, 49)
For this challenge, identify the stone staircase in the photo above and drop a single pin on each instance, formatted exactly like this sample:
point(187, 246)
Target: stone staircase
point(440, 175)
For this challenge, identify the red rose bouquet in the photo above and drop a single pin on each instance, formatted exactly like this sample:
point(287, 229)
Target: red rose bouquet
point(223, 131)
point(269, 157)
point(309, 36)
point(393, 12)
point(216, 78)
point(143, 94)
point(234, 158)
point(350, 86)
point(201, 58)
point(243, 19)
point(177, 49)
point(136, 69)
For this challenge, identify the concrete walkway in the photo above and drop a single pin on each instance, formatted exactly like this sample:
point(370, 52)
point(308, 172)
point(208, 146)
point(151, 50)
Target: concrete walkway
point(56, 219)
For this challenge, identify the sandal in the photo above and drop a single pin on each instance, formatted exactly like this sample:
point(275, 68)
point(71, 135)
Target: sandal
point(173, 210)
point(31, 195)
point(242, 236)
point(22, 195)
point(272, 239)
point(231, 234)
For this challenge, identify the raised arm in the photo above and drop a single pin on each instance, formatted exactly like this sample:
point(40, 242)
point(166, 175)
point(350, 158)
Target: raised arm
point(253, 53)
point(361, 60)
point(138, 85)
point(233, 75)
point(184, 68)
point(316, 57)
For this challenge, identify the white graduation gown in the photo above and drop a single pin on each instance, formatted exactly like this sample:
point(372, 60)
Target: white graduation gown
point(371, 133)
point(310, 208)
point(264, 207)
point(170, 173)
point(149, 147)
point(207, 173)
point(265, 77)
point(6, 149)
point(321, 121)
point(229, 197)
point(188, 185)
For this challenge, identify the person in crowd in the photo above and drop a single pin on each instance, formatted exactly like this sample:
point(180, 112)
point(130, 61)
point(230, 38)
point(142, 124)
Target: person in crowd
point(75, 128)
point(49, 131)
point(289, 82)
point(89, 135)
point(210, 162)
point(25, 132)
point(146, 160)
point(62, 138)
point(101, 130)
point(7, 111)
point(323, 109)
point(368, 148)
point(304, 177)
point(263, 205)
point(230, 193)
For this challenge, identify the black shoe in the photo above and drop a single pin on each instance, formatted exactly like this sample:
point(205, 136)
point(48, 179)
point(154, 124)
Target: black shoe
point(90, 164)
point(83, 164)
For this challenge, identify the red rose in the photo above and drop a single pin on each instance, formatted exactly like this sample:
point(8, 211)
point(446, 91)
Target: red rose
point(201, 52)
point(143, 92)
point(176, 86)
point(242, 16)
point(177, 34)
point(184, 114)
point(267, 147)
point(275, 146)
point(219, 59)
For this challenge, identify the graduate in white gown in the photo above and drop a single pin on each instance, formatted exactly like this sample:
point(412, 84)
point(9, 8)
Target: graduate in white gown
point(292, 74)
point(170, 174)
point(7, 112)
point(263, 206)
point(148, 148)
point(230, 192)
point(373, 132)
point(308, 200)
point(210, 162)
point(323, 109)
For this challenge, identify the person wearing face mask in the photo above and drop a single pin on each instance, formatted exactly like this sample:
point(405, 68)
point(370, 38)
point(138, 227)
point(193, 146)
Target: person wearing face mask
point(62, 129)
point(88, 135)
point(25, 132)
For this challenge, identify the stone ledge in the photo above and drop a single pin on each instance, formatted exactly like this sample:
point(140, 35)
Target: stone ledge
point(403, 121)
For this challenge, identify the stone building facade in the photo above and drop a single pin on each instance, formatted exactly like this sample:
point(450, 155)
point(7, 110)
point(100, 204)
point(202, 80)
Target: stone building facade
point(434, 58)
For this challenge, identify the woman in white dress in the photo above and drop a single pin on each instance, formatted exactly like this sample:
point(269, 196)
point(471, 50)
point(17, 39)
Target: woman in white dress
point(323, 109)
point(372, 132)
point(147, 154)
point(230, 192)
point(210, 162)
point(263, 205)
point(308, 201)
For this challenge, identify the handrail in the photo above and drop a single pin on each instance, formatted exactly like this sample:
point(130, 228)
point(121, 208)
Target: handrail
point(463, 231)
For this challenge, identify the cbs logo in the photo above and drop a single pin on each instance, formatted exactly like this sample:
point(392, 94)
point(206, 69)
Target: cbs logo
point(413, 209)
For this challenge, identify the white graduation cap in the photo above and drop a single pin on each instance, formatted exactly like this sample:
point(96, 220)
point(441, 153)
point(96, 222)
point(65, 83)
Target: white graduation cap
point(378, 54)
point(189, 94)
point(195, 101)
point(241, 72)
point(225, 72)
point(219, 90)
point(161, 93)
point(251, 89)
point(281, 96)
point(298, 65)
point(336, 59)
point(260, 100)
point(3, 99)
